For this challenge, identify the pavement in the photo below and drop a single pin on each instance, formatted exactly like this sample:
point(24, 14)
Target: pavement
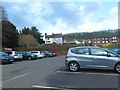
point(50, 73)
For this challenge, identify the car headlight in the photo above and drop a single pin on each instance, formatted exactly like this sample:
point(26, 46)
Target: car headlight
point(3, 58)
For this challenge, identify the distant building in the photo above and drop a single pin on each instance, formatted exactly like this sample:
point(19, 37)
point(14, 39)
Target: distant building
point(96, 41)
point(54, 38)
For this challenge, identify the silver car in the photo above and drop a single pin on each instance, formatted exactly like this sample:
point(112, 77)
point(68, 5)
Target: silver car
point(93, 58)
point(15, 54)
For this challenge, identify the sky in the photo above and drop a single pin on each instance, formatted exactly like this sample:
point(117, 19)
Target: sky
point(63, 16)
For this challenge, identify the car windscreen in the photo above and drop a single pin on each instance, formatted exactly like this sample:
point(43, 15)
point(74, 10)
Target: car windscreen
point(3, 54)
point(73, 50)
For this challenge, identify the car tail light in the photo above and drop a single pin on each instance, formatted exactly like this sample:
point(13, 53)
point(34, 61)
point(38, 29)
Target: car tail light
point(15, 54)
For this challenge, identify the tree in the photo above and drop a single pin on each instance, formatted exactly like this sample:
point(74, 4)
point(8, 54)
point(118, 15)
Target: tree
point(9, 34)
point(3, 14)
point(34, 32)
point(28, 41)
point(25, 31)
point(119, 38)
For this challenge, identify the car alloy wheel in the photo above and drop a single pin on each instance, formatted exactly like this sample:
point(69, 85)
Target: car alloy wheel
point(117, 68)
point(73, 66)
point(29, 58)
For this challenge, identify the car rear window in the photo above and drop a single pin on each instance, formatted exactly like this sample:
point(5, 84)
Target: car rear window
point(8, 52)
point(34, 52)
point(18, 53)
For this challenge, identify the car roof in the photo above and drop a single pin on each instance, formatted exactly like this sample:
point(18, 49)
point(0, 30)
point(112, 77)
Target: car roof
point(86, 47)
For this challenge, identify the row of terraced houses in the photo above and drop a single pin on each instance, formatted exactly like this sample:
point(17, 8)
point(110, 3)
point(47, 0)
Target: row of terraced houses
point(57, 38)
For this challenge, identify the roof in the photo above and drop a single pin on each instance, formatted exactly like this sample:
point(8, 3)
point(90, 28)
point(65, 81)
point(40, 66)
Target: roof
point(54, 36)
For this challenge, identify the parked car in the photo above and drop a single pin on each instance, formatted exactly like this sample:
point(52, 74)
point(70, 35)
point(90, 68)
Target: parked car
point(93, 58)
point(17, 55)
point(6, 58)
point(38, 53)
point(29, 56)
point(48, 53)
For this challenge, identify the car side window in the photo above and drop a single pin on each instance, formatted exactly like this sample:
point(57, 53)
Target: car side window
point(98, 52)
point(83, 51)
point(112, 54)
point(9, 53)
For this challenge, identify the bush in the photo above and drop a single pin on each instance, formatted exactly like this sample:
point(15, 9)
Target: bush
point(110, 46)
point(59, 49)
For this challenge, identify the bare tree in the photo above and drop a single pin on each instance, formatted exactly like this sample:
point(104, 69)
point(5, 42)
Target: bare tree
point(3, 13)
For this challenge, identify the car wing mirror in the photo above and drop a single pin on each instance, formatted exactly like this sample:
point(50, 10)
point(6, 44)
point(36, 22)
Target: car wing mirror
point(109, 55)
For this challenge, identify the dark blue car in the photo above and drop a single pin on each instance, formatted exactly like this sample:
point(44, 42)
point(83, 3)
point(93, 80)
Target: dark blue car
point(6, 59)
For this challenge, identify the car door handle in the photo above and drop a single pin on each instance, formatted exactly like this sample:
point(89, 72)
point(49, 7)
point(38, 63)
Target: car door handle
point(94, 58)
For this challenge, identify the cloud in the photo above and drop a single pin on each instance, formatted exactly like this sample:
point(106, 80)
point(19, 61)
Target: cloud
point(63, 11)
point(114, 10)
point(62, 17)
point(92, 7)
point(82, 8)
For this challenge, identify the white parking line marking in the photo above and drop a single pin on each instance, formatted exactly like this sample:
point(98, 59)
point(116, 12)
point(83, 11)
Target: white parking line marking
point(17, 77)
point(91, 73)
point(45, 87)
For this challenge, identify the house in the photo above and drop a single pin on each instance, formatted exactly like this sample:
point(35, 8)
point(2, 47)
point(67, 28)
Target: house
point(54, 38)
point(95, 41)
point(104, 41)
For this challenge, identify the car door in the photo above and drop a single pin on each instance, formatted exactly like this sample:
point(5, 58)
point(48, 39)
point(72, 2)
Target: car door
point(100, 59)
point(83, 57)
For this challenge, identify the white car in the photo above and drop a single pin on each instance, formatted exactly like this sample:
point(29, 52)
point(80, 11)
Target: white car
point(38, 53)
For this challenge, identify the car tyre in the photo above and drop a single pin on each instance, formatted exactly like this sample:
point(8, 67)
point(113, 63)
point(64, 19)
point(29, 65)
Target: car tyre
point(29, 58)
point(117, 68)
point(74, 66)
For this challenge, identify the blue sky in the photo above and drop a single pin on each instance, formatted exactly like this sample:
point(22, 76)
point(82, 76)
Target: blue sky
point(63, 17)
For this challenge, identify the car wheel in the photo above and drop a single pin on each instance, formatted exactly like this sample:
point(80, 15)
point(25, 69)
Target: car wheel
point(29, 58)
point(73, 66)
point(117, 68)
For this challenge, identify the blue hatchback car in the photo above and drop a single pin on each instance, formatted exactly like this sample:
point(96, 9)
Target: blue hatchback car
point(6, 58)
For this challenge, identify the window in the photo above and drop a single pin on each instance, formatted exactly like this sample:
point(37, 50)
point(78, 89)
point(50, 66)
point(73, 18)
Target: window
point(34, 52)
point(73, 50)
point(98, 52)
point(8, 53)
point(89, 42)
point(103, 41)
point(98, 41)
point(82, 51)
point(112, 54)
point(106, 41)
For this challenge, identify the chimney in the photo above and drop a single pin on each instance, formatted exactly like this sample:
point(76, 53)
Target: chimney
point(45, 35)
point(52, 35)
